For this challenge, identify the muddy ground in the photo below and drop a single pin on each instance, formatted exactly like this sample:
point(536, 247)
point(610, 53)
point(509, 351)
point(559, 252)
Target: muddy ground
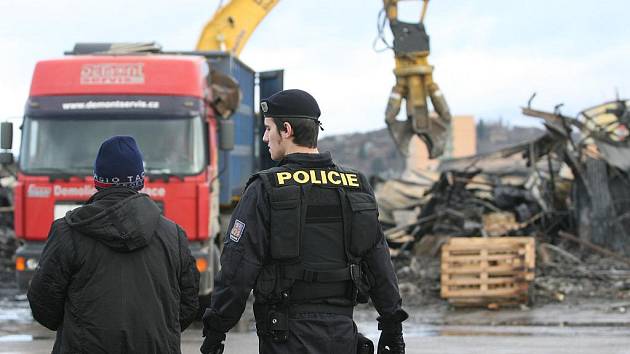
point(590, 327)
point(578, 324)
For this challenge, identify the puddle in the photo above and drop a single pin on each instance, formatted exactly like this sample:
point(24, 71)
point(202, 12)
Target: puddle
point(15, 309)
point(15, 315)
point(17, 338)
point(370, 330)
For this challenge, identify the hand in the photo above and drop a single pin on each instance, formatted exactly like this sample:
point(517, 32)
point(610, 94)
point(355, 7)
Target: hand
point(213, 343)
point(391, 342)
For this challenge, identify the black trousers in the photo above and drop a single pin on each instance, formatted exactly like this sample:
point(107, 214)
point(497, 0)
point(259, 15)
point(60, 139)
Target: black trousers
point(314, 333)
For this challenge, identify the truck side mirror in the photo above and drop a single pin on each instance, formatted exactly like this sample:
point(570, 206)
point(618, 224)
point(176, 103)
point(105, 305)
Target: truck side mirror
point(6, 142)
point(6, 135)
point(226, 134)
point(6, 158)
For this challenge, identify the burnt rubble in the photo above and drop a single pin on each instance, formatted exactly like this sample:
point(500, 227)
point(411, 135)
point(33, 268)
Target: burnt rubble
point(569, 188)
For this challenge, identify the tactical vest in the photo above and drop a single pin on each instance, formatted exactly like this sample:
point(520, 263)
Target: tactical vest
point(322, 220)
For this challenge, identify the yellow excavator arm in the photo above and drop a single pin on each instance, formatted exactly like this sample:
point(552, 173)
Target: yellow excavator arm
point(233, 24)
point(414, 83)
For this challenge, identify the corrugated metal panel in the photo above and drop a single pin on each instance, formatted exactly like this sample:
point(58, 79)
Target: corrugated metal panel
point(270, 82)
point(601, 201)
point(619, 185)
point(604, 217)
point(237, 165)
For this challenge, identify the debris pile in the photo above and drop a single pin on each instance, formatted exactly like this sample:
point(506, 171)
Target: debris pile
point(8, 243)
point(569, 188)
point(471, 202)
point(562, 275)
point(419, 280)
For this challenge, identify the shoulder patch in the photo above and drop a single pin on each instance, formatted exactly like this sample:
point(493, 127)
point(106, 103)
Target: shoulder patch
point(237, 230)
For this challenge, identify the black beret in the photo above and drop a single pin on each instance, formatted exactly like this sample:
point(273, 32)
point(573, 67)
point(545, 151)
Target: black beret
point(290, 104)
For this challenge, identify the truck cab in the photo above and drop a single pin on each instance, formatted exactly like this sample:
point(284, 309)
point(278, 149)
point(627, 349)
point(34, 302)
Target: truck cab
point(167, 102)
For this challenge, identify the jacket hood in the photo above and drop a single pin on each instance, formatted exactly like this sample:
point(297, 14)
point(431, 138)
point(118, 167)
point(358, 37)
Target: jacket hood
point(121, 218)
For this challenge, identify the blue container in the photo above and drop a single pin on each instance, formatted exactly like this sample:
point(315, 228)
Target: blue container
point(235, 166)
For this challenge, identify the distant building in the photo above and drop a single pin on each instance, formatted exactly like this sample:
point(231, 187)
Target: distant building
point(462, 142)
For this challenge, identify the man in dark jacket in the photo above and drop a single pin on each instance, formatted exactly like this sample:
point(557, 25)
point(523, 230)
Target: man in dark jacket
point(305, 236)
point(115, 275)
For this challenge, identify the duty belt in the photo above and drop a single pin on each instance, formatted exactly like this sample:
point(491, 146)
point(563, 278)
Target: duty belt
point(319, 285)
point(320, 308)
point(321, 276)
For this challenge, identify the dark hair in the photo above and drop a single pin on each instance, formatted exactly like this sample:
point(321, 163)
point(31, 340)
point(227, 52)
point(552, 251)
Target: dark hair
point(305, 131)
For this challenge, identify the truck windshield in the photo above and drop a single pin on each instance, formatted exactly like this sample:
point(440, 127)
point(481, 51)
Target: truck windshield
point(69, 146)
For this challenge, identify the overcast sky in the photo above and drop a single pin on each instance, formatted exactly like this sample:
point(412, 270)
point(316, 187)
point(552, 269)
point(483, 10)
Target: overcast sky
point(489, 55)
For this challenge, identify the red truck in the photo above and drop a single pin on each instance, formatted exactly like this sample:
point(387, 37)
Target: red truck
point(169, 104)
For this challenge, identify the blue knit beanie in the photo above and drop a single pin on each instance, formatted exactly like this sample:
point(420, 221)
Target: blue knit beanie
point(119, 163)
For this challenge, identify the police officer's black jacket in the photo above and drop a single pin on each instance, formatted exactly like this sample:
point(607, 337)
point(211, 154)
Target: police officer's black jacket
point(261, 235)
point(115, 277)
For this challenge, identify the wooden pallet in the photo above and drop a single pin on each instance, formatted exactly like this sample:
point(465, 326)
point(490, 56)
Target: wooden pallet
point(487, 271)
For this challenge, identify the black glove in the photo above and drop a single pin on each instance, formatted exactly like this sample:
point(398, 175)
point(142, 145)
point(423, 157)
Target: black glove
point(391, 340)
point(364, 345)
point(213, 344)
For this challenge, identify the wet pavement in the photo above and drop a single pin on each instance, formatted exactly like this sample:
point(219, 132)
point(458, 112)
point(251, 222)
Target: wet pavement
point(591, 326)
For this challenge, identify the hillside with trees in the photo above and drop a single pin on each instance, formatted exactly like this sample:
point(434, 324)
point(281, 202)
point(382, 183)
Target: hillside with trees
point(374, 152)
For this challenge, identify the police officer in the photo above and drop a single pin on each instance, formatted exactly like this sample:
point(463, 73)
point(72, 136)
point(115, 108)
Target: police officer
point(305, 236)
